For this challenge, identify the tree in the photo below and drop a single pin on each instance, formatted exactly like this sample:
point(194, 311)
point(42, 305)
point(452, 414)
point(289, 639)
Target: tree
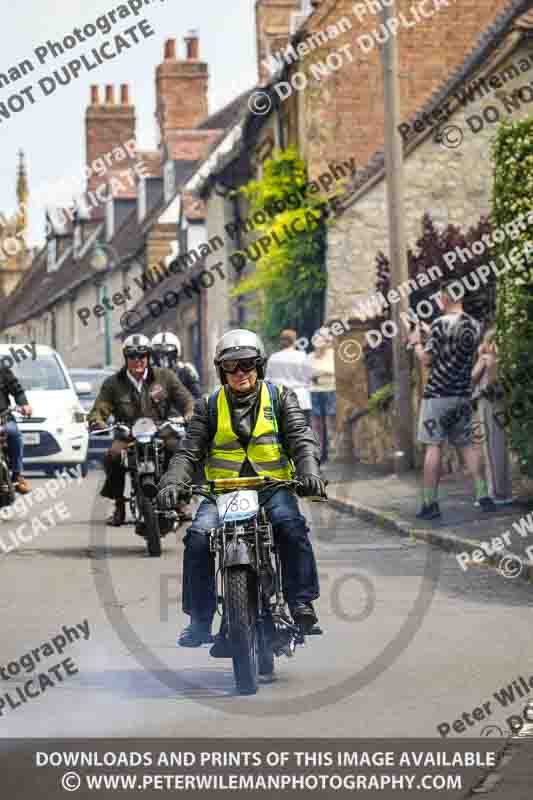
point(289, 280)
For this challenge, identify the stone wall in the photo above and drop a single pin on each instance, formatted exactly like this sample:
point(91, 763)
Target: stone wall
point(453, 184)
point(344, 110)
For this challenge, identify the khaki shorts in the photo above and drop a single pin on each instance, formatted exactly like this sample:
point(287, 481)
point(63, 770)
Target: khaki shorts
point(445, 419)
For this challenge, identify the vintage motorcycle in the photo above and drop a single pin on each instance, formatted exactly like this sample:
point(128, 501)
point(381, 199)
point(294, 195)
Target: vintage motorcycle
point(145, 459)
point(7, 490)
point(249, 578)
point(7, 487)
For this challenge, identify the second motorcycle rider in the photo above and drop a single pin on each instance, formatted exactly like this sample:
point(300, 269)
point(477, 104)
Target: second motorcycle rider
point(137, 390)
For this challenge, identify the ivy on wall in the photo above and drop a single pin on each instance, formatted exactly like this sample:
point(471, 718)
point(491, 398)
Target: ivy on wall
point(289, 279)
point(512, 152)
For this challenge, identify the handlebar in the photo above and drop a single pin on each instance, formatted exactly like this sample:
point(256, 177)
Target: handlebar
point(228, 484)
point(125, 425)
point(11, 412)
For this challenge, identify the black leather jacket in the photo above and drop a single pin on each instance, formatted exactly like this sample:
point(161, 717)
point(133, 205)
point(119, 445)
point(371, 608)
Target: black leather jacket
point(10, 386)
point(296, 437)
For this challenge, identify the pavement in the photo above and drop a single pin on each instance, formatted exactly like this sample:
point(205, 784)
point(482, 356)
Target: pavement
point(391, 502)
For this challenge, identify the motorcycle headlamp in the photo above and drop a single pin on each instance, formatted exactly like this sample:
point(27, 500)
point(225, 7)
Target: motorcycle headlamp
point(144, 429)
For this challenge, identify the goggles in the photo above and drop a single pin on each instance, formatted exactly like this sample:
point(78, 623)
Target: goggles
point(244, 364)
point(133, 353)
point(165, 348)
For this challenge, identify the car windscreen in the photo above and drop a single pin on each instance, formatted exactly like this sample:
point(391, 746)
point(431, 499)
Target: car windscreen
point(95, 379)
point(43, 374)
point(87, 401)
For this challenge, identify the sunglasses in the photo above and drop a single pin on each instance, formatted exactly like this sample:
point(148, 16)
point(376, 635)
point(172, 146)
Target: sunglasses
point(244, 364)
point(136, 354)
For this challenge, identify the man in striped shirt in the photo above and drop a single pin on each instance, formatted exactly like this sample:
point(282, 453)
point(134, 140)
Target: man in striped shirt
point(446, 410)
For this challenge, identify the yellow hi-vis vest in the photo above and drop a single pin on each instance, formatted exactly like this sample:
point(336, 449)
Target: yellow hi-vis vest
point(264, 451)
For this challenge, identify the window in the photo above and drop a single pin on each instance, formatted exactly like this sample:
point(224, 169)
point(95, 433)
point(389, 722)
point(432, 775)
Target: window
point(141, 199)
point(109, 219)
point(51, 254)
point(99, 298)
point(77, 239)
point(73, 326)
point(169, 180)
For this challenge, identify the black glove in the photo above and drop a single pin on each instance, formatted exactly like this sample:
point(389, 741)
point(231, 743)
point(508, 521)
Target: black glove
point(312, 486)
point(172, 496)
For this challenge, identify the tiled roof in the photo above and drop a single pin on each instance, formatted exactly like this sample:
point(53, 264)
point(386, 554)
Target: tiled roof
point(41, 289)
point(227, 117)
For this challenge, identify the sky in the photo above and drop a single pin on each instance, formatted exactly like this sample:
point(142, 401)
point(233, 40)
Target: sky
point(51, 131)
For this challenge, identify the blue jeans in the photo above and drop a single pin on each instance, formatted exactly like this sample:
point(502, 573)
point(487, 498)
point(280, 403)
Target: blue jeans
point(15, 448)
point(300, 577)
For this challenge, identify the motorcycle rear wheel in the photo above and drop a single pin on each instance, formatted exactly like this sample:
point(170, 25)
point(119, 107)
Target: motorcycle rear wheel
point(151, 526)
point(241, 612)
point(7, 492)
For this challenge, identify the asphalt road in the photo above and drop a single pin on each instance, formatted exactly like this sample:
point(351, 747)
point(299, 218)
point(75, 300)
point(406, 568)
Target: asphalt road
point(411, 642)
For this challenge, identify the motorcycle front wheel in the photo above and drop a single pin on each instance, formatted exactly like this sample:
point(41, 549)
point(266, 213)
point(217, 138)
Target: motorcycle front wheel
point(7, 493)
point(240, 606)
point(151, 523)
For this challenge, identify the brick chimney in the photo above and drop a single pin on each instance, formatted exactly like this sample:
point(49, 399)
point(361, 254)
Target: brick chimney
point(108, 124)
point(181, 89)
point(272, 22)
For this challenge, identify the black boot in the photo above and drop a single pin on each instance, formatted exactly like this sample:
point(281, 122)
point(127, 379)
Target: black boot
point(195, 634)
point(118, 517)
point(304, 616)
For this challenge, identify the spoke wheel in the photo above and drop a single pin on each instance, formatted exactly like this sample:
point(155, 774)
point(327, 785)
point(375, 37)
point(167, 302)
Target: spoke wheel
point(242, 624)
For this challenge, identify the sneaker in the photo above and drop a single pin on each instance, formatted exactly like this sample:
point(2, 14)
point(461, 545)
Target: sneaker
point(429, 511)
point(487, 504)
point(194, 635)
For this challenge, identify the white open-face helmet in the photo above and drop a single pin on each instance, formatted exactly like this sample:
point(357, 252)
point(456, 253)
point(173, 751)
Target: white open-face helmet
point(166, 349)
point(135, 345)
point(239, 344)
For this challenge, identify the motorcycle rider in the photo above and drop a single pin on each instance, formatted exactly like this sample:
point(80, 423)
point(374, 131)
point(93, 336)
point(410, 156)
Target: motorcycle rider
point(166, 352)
point(10, 386)
point(247, 427)
point(137, 390)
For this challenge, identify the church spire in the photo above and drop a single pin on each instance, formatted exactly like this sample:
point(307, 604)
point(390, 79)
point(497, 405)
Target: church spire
point(22, 195)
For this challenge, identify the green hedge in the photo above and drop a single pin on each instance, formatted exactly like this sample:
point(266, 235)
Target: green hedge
point(512, 197)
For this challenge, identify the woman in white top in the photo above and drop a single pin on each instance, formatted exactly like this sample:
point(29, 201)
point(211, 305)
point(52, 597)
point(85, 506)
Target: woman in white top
point(323, 394)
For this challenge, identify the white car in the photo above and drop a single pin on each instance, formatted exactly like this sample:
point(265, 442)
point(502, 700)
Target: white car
point(56, 435)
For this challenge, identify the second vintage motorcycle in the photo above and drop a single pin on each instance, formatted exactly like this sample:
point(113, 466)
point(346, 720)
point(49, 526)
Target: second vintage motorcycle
point(145, 459)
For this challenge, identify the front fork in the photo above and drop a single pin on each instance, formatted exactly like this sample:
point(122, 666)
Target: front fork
point(286, 635)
